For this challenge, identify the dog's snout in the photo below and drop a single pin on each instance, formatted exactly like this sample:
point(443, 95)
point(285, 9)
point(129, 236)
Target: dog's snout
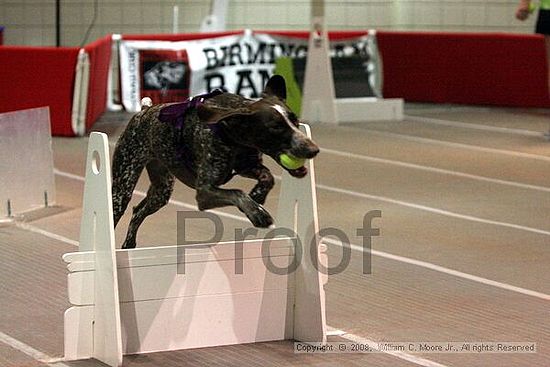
point(313, 151)
point(304, 147)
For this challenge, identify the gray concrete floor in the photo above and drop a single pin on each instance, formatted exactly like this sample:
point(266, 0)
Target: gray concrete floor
point(463, 255)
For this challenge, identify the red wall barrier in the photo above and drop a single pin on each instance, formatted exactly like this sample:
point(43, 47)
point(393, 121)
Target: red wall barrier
point(39, 76)
point(491, 69)
point(99, 53)
point(23, 87)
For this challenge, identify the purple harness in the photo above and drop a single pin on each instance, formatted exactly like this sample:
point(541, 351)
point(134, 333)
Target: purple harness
point(175, 114)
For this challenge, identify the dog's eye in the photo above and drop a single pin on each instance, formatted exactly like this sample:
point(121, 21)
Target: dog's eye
point(293, 118)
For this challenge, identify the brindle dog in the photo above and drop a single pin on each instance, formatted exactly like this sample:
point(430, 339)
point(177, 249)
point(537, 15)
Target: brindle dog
point(203, 143)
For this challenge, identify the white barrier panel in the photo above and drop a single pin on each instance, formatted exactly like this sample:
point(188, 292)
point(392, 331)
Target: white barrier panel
point(164, 308)
point(362, 109)
point(97, 238)
point(80, 93)
point(26, 163)
point(319, 103)
point(216, 20)
point(318, 96)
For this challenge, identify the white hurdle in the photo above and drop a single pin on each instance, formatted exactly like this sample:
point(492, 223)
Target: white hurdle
point(136, 301)
point(319, 103)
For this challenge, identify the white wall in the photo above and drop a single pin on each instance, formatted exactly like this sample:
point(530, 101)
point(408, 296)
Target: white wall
point(31, 22)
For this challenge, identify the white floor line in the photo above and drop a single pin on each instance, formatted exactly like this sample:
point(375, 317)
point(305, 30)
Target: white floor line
point(441, 269)
point(34, 229)
point(30, 351)
point(465, 125)
point(72, 176)
point(434, 170)
point(417, 139)
point(433, 210)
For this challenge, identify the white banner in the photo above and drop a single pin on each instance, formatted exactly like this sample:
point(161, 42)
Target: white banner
point(241, 64)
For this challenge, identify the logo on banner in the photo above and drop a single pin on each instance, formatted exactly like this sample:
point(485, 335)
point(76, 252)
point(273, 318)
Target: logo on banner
point(165, 75)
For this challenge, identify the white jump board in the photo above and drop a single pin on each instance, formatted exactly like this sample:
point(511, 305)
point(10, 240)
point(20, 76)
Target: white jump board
point(162, 309)
point(368, 109)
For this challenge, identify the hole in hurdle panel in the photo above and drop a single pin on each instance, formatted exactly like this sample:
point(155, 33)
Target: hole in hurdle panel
point(96, 163)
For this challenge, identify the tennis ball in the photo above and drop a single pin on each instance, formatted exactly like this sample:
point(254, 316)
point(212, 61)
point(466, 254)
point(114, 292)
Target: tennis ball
point(291, 162)
point(532, 7)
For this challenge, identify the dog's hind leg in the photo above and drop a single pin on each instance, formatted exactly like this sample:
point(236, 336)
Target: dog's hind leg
point(127, 167)
point(162, 184)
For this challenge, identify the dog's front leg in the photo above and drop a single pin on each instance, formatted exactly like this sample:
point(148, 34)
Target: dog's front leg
point(209, 197)
point(216, 167)
point(265, 182)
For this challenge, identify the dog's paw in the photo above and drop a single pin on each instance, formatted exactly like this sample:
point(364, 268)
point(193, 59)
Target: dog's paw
point(128, 244)
point(260, 218)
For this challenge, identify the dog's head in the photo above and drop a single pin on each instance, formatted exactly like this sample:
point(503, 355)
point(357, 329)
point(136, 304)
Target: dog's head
point(271, 127)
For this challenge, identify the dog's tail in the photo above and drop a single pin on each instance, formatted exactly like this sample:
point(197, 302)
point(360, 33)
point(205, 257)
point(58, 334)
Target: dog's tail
point(146, 102)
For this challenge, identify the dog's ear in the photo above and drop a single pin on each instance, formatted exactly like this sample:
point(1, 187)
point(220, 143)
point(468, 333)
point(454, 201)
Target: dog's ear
point(213, 114)
point(276, 86)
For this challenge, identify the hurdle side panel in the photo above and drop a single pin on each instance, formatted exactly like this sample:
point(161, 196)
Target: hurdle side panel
point(298, 211)
point(97, 235)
